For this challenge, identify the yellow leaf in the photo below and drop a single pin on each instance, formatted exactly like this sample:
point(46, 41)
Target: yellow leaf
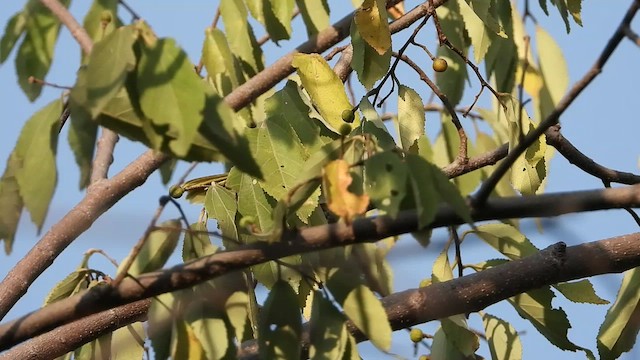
point(336, 180)
point(371, 19)
point(325, 90)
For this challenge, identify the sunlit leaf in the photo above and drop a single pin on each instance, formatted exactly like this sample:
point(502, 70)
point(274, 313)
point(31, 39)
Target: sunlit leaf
point(70, 285)
point(240, 35)
point(252, 201)
point(580, 292)
point(452, 81)
point(325, 89)
point(345, 204)
point(127, 342)
point(366, 312)
point(411, 120)
point(221, 205)
point(504, 342)
point(160, 324)
point(219, 62)
point(459, 335)
point(209, 330)
point(535, 306)
point(36, 152)
point(159, 245)
point(442, 348)
point(480, 25)
point(196, 243)
point(237, 309)
point(506, 239)
point(619, 331)
point(93, 21)
point(552, 65)
point(441, 270)
point(371, 20)
point(370, 66)
point(315, 15)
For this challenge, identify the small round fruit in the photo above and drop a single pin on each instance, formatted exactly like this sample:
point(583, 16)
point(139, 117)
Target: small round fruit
point(440, 65)
point(176, 191)
point(246, 221)
point(106, 17)
point(345, 129)
point(424, 357)
point(416, 335)
point(348, 116)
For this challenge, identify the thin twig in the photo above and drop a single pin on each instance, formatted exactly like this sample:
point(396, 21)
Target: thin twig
point(487, 187)
point(133, 14)
point(456, 243)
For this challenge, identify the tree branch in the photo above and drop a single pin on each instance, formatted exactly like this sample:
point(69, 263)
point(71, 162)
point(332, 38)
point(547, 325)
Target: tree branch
point(487, 187)
point(297, 242)
point(71, 336)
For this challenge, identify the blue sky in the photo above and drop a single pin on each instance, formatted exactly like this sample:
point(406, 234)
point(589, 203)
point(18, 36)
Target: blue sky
point(603, 122)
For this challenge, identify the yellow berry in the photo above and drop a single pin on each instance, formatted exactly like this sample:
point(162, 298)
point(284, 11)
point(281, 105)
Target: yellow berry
point(440, 65)
point(416, 335)
point(424, 357)
point(348, 116)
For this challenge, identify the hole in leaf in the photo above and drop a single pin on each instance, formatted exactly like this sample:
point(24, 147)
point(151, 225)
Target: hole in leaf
point(388, 167)
point(394, 192)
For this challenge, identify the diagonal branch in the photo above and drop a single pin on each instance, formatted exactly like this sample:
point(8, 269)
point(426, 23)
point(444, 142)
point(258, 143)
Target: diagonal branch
point(487, 187)
point(296, 242)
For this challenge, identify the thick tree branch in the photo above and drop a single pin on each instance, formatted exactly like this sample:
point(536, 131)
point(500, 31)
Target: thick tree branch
point(487, 187)
point(296, 242)
point(71, 336)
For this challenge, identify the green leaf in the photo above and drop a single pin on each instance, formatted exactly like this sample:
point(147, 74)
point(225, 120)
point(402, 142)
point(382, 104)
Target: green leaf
point(580, 292)
point(277, 18)
point(280, 155)
point(108, 65)
point(70, 285)
point(221, 205)
point(411, 120)
point(252, 201)
point(458, 333)
point(160, 323)
point(269, 273)
point(451, 82)
point(128, 342)
point(12, 32)
point(170, 93)
point(506, 239)
point(425, 196)
point(218, 59)
point(325, 89)
point(441, 270)
point(370, 66)
point(157, 248)
point(535, 306)
point(315, 15)
point(209, 330)
point(293, 105)
point(10, 202)
point(240, 35)
point(82, 136)
point(371, 21)
point(36, 51)
point(372, 124)
point(373, 262)
point(386, 181)
point(280, 324)
point(443, 348)
point(197, 243)
point(477, 28)
point(93, 23)
point(504, 342)
point(366, 312)
point(552, 65)
point(619, 330)
point(328, 333)
point(36, 151)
